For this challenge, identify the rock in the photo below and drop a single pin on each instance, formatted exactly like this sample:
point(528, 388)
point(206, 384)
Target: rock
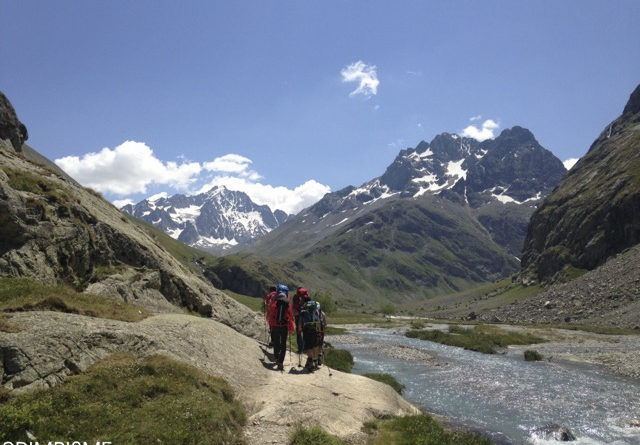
point(553, 431)
point(10, 127)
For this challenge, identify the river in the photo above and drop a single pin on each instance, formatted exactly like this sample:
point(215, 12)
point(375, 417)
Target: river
point(501, 395)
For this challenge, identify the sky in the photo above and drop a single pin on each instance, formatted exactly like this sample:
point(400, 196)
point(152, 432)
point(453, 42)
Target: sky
point(287, 100)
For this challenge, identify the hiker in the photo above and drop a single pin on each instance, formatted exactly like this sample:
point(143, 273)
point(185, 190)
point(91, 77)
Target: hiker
point(281, 322)
point(268, 300)
point(309, 324)
point(301, 297)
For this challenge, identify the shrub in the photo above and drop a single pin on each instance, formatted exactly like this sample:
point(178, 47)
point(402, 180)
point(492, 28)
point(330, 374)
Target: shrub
point(325, 298)
point(389, 380)
point(339, 359)
point(531, 355)
point(417, 324)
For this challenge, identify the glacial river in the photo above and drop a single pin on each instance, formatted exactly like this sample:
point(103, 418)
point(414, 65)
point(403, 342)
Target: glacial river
point(502, 395)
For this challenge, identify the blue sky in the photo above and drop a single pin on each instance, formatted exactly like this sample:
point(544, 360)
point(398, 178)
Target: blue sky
point(190, 83)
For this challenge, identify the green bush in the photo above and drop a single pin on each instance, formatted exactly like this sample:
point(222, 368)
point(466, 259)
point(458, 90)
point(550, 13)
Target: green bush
point(417, 324)
point(339, 359)
point(531, 355)
point(313, 436)
point(388, 379)
point(332, 330)
point(128, 400)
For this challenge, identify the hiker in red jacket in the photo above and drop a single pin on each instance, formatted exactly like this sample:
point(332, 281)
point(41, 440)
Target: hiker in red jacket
point(300, 298)
point(268, 300)
point(281, 322)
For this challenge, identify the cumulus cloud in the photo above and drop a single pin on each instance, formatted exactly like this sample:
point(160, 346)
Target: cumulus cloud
point(570, 163)
point(276, 197)
point(365, 75)
point(120, 203)
point(129, 168)
point(486, 131)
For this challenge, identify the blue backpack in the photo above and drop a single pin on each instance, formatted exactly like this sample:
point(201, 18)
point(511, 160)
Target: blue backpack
point(281, 288)
point(310, 313)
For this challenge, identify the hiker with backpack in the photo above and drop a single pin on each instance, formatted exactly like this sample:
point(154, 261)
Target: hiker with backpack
point(281, 322)
point(310, 324)
point(268, 301)
point(301, 297)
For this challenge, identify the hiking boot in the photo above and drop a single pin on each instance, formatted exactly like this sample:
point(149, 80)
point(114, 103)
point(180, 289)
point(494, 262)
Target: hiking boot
point(315, 365)
point(280, 367)
point(309, 365)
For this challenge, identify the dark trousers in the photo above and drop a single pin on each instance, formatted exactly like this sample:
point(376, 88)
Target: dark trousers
point(299, 336)
point(279, 340)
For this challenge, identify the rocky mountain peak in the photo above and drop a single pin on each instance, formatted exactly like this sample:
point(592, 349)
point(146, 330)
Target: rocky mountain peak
point(633, 105)
point(10, 127)
point(216, 220)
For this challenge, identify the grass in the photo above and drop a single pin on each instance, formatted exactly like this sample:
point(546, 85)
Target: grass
point(388, 379)
point(532, 356)
point(344, 317)
point(420, 429)
point(129, 401)
point(480, 338)
point(23, 294)
point(334, 330)
point(253, 303)
point(338, 359)
point(313, 436)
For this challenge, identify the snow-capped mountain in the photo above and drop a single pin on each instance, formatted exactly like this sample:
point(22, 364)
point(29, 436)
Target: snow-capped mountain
point(512, 169)
point(216, 221)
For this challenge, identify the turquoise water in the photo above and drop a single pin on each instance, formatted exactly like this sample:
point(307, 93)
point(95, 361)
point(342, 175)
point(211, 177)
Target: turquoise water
point(502, 395)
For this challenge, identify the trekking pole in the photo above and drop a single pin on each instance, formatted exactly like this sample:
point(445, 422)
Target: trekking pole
point(289, 350)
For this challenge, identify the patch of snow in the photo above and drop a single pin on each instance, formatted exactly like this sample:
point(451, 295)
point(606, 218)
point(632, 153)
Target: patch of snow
point(454, 136)
point(455, 169)
point(146, 213)
point(210, 241)
point(175, 233)
point(157, 221)
point(186, 213)
point(337, 224)
point(426, 154)
point(324, 216)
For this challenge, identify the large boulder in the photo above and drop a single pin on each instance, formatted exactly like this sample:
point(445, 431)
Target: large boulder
point(11, 128)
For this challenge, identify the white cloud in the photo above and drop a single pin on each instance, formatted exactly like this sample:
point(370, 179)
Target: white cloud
point(376, 107)
point(487, 131)
point(397, 144)
point(570, 163)
point(129, 168)
point(278, 197)
point(365, 75)
point(475, 118)
point(120, 203)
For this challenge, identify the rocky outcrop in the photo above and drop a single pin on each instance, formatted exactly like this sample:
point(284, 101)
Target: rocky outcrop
point(55, 231)
point(595, 212)
point(608, 295)
point(11, 128)
point(52, 346)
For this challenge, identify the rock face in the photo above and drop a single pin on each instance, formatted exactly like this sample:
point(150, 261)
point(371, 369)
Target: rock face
point(215, 221)
point(52, 346)
point(55, 231)
point(595, 212)
point(11, 128)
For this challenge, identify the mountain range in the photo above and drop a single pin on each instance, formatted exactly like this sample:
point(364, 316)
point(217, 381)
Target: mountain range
point(444, 216)
point(215, 221)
